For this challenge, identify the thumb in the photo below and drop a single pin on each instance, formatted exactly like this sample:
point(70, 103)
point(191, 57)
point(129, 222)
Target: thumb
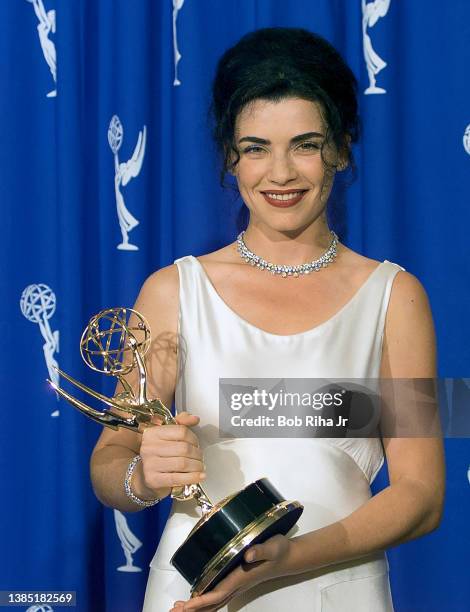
point(184, 418)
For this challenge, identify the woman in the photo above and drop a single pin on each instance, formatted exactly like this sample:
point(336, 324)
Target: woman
point(286, 114)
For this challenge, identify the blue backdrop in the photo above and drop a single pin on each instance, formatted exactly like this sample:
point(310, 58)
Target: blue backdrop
point(108, 172)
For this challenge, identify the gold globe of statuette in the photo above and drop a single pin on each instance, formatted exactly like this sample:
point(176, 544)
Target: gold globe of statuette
point(105, 346)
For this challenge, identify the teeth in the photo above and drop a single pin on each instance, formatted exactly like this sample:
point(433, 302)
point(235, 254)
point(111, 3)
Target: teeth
point(284, 196)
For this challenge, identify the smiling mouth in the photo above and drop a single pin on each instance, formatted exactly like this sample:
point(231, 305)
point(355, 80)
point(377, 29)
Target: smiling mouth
point(284, 199)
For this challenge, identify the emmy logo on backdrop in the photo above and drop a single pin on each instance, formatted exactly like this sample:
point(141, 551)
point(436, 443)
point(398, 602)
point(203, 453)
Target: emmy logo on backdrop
point(371, 13)
point(45, 27)
point(177, 6)
point(123, 173)
point(37, 304)
point(466, 139)
point(129, 542)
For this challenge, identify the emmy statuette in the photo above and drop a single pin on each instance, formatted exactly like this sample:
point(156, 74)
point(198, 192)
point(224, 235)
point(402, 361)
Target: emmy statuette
point(218, 541)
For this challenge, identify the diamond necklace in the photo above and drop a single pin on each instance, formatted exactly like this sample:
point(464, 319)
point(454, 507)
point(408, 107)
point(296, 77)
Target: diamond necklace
point(313, 266)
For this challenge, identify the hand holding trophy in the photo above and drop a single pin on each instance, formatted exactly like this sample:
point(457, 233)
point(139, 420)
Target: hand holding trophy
point(226, 529)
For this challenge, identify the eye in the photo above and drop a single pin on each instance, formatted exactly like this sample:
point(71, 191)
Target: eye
point(253, 149)
point(309, 146)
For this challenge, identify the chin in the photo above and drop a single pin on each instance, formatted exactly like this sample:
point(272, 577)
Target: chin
point(292, 229)
point(287, 223)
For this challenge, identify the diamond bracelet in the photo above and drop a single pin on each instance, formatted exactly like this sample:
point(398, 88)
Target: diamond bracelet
point(127, 486)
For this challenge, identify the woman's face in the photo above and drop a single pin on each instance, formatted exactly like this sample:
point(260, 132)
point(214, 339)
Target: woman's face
point(281, 176)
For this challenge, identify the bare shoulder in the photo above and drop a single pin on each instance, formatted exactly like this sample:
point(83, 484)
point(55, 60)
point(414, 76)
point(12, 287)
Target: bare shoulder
point(158, 303)
point(162, 287)
point(406, 288)
point(163, 280)
point(158, 299)
point(408, 297)
point(409, 338)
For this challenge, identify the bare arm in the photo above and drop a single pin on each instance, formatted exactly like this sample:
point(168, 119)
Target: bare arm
point(411, 505)
point(170, 454)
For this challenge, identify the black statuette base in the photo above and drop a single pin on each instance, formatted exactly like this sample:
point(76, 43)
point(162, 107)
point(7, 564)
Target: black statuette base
point(218, 541)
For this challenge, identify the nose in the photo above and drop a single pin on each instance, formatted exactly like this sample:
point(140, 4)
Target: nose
point(282, 169)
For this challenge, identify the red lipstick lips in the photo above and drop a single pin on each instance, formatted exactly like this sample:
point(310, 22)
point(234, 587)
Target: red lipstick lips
point(284, 203)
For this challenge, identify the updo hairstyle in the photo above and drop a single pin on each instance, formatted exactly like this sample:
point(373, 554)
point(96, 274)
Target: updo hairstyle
point(278, 63)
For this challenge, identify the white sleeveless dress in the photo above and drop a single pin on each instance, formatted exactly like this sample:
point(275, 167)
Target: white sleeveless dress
point(330, 477)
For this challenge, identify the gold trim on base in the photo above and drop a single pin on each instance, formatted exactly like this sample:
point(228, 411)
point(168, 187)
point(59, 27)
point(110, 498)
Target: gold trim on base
point(240, 541)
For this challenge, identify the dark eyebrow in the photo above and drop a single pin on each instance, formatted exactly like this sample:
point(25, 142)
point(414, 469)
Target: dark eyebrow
point(293, 140)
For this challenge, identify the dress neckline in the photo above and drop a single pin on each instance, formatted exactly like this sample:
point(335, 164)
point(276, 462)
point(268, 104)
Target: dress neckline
point(337, 315)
